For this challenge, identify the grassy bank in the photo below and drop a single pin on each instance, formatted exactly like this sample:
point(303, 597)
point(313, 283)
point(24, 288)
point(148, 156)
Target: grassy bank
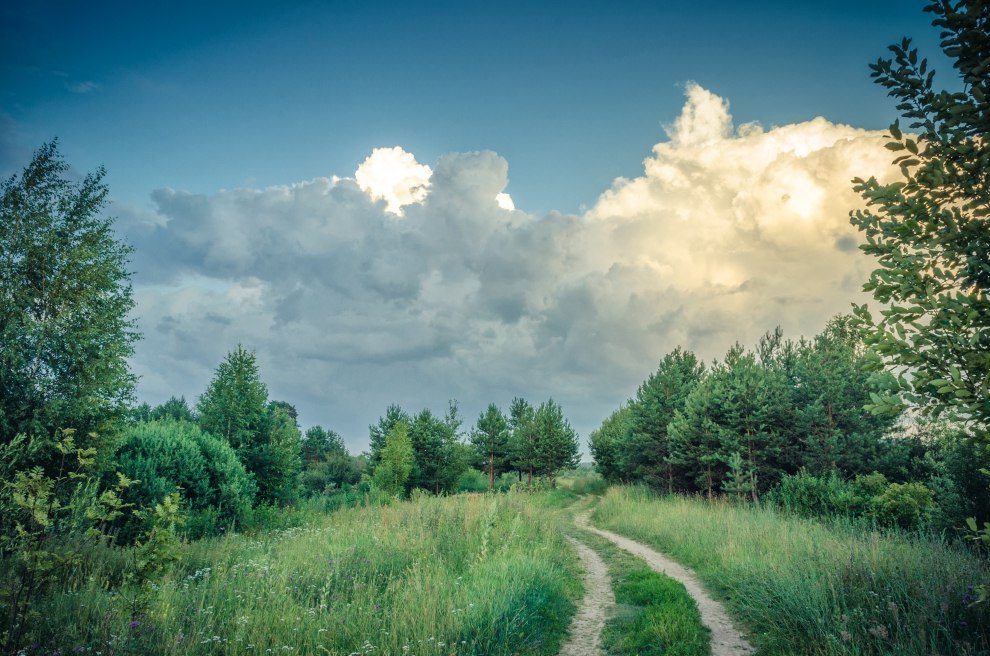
point(466, 575)
point(804, 587)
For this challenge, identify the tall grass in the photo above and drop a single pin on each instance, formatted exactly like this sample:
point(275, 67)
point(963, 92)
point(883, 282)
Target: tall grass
point(472, 574)
point(805, 587)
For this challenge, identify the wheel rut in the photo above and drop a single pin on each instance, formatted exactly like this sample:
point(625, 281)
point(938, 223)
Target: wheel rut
point(586, 627)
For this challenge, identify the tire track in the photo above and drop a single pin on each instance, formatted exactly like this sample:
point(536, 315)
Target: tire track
point(585, 631)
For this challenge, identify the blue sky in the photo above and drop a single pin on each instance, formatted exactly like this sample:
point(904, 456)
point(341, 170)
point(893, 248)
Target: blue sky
point(648, 211)
point(202, 96)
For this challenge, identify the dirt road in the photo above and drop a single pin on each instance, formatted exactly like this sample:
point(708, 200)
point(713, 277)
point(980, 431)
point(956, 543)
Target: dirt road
point(726, 638)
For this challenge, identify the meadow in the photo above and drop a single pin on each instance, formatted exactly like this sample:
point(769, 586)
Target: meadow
point(805, 586)
point(468, 574)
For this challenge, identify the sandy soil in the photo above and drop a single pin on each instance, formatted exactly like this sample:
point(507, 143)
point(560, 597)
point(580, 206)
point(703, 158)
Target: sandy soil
point(586, 627)
point(726, 638)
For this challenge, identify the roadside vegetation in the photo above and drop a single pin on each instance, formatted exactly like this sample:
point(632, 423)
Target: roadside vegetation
point(803, 586)
point(468, 574)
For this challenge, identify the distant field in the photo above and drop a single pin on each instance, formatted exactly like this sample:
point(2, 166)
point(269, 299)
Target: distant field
point(804, 587)
point(467, 574)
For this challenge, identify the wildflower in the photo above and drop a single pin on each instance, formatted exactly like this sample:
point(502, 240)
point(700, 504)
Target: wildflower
point(134, 624)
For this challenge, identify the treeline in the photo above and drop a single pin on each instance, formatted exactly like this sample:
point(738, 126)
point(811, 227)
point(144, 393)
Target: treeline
point(427, 452)
point(788, 419)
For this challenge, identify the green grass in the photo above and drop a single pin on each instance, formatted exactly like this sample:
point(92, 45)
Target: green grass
point(655, 614)
point(471, 574)
point(806, 587)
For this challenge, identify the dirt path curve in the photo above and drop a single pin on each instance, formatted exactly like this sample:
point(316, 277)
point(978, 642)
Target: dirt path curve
point(586, 627)
point(726, 638)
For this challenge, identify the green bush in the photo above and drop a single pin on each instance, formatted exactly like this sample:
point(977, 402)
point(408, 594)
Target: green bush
point(817, 496)
point(908, 505)
point(472, 480)
point(166, 456)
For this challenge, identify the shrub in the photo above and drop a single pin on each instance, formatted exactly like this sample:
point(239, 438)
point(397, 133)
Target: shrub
point(908, 505)
point(816, 496)
point(472, 480)
point(166, 456)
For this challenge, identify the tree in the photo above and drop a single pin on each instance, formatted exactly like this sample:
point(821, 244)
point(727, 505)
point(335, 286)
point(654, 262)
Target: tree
point(320, 444)
point(396, 462)
point(830, 384)
point(607, 443)
point(378, 433)
point(930, 230)
point(326, 463)
point(490, 439)
point(556, 442)
point(64, 299)
point(234, 405)
point(275, 458)
point(175, 409)
point(235, 408)
point(644, 453)
point(437, 458)
point(522, 449)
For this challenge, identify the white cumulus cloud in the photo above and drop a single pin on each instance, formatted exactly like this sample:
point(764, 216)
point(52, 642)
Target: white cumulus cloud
point(393, 175)
point(728, 232)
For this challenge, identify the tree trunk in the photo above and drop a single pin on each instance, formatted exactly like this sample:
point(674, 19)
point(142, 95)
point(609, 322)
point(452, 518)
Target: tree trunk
point(491, 472)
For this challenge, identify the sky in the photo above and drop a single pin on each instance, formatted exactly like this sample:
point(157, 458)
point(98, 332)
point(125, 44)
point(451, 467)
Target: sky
point(395, 203)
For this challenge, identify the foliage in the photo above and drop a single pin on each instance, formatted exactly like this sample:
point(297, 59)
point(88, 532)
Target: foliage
point(930, 231)
point(169, 457)
point(49, 514)
point(65, 295)
point(589, 484)
point(326, 464)
point(439, 458)
point(275, 458)
point(522, 447)
point(175, 409)
point(753, 417)
point(907, 505)
point(396, 461)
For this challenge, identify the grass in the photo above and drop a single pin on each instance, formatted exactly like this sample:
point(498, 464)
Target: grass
point(805, 587)
point(655, 614)
point(471, 574)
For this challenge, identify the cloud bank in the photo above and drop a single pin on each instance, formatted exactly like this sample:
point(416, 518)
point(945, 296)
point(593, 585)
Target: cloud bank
point(414, 285)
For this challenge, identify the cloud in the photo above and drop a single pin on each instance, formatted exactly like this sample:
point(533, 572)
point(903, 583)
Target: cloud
point(393, 175)
point(727, 233)
point(84, 87)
